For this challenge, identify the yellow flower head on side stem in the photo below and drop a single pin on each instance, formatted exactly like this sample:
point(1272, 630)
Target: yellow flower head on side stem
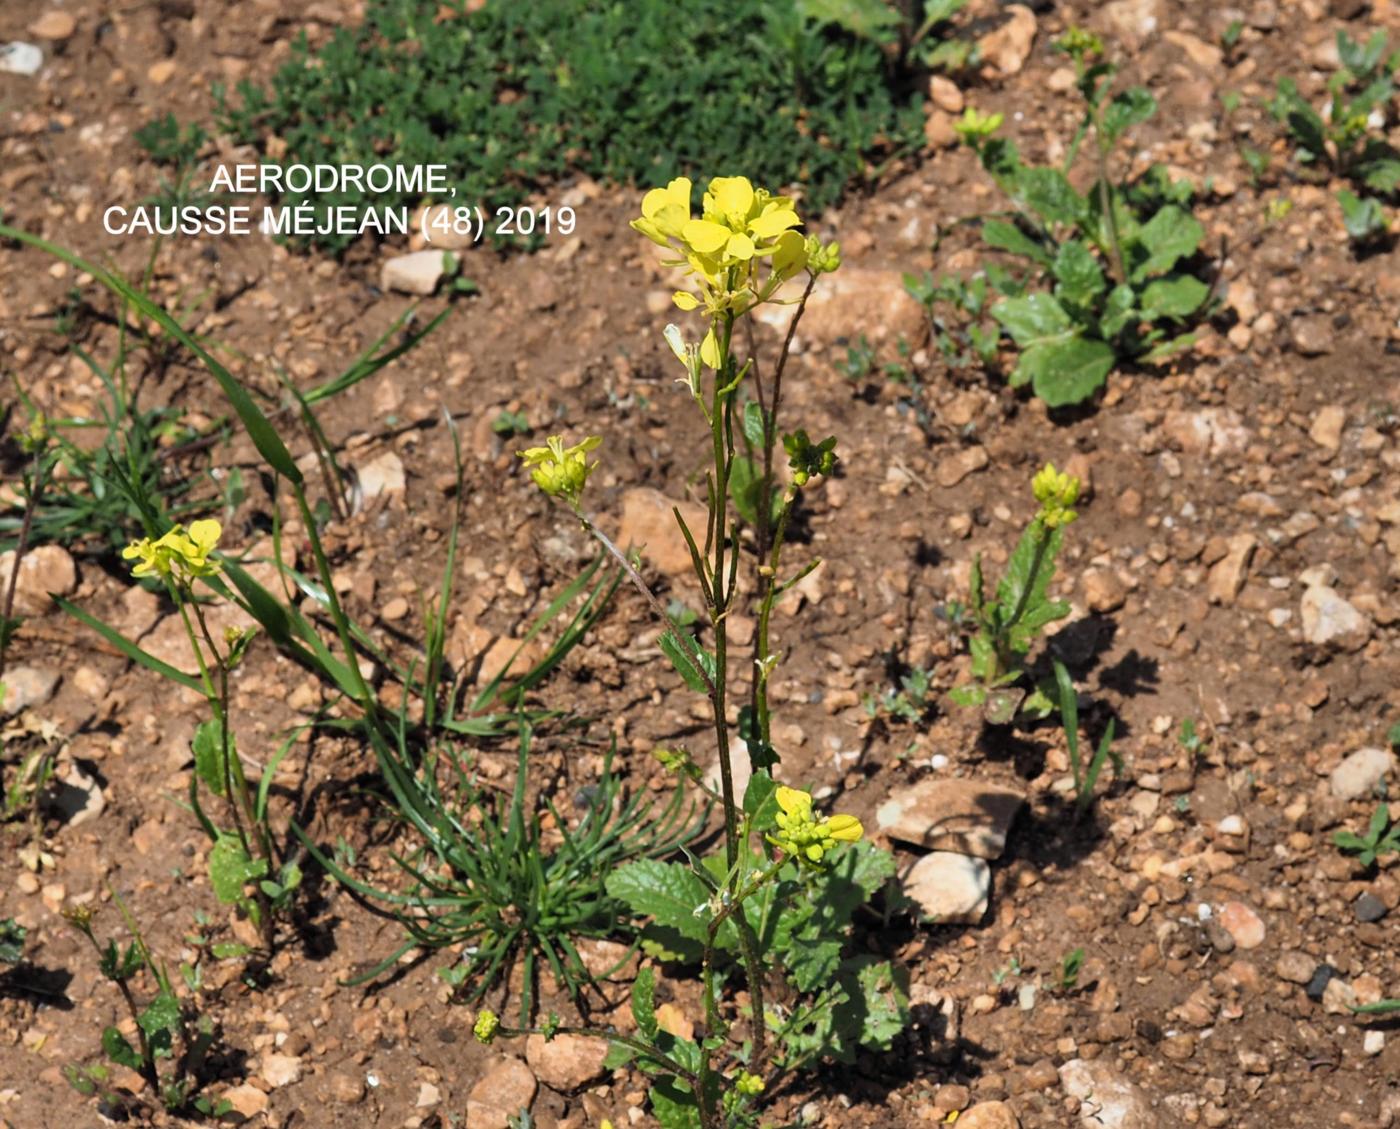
point(1056, 492)
point(561, 472)
point(800, 834)
point(486, 1026)
point(178, 553)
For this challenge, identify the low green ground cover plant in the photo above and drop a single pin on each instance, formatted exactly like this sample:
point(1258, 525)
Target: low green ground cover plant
point(1086, 776)
point(1382, 837)
point(512, 98)
point(1002, 627)
point(1346, 136)
point(1111, 275)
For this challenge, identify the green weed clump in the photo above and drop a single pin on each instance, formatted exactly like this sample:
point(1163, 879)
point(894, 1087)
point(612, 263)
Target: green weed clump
point(513, 97)
point(1111, 275)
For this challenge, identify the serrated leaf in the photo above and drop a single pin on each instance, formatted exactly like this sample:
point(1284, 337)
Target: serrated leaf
point(746, 489)
point(885, 993)
point(970, 696)
point(619, 1055)
point(162, 1014)
point(1004, 236)
point(1078, 273)
point(761, 799)
point(670, 893)
point(1174, 296)
point(1022, 591)
point(644, 1002)
point(1066, 371)
point(1168, 237)
point(231, 869)
point(673, 1104)
point(1126, 109)
point(116, 1048)
point(1048, 193)
point(1120, 309)
point(1032, 318)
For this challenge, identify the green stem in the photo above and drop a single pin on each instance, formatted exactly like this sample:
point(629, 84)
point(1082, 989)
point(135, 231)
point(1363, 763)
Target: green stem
point(31, 503)
point(723, 591)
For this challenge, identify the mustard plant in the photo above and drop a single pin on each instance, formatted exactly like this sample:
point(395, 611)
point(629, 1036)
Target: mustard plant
point(1005, 625)
point(783, 890)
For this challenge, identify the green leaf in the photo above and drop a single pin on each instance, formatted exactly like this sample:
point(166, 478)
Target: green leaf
point(884, 991)
point(753, 424)
point(1174, 296)
point(1168, 237)
point(231, 869)
point(673, 1104)
point(1002, 705)
point(761, 799)
point(1067, 371)
point(1005, 236)
point(644, 1003)
point(1078, 273)
point(210, 765)
point(865, 19)
point(1022, 591)
point(1048, 193)
point(1119, 311)
point(969, 696)
point(1363, 217)
point(1032, 318)
point(11, 941)
point(1381, 174)
point(162, 1014)
point(229, 950)
point(746, 488)
point(1126, 109)
point(116, 1048)
point(670, 893)
point(681, 659)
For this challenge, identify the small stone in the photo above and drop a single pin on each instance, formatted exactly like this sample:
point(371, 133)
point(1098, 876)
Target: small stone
point(1007, 48)
point(1243, 924)
point(566, 1062)
point(1109, 1100)
point(649, 524)
point(1134, 21)
point(1103, 590)
point(161, 72)
point(1361, 774)
point(54, 26)
point(44, 570)
point(1313, 336)
point(1295, 967)
point(78, 798)
point(247, 1100)
point(1373, 1042)
point(988, 1115)
point(1179, 1047)
point(1329, 621)
point(20, 58)
point(1228, 574)
point(952, 1097)
point(27, 687)
point(418, 272)
point(347, 1089)
point(1326, 430)
point(938, 130)
point(381, 475)
point(1368, 908)
point(280, 1070)
point(1317, 983)
point(428, 1096)
point(1210, 431)
point(958, 466)
point(949, 888)
point(945, 94)
point(1129, 503)
point(394, 610)
point(951, 815)
point(1252, 1062)
point(1339, 997)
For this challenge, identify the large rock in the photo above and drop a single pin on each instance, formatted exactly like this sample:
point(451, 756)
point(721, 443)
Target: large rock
point(1007, 48)
point(648, 524)
point(566, 1062)
point(46, 569)
point(26, 687)
point(1107, 1099)
point(951, 815)
point(949, 888)
point(1329, 621)
point(1360, 774)
point(415, 273)
point(504, 1090)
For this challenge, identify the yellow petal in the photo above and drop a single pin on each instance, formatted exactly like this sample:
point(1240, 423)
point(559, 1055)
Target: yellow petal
point(740, 246)
point(732, 195)
point(774, 222)
point(704, 236)
point(685, 300)
point(789, 254)
point(709, 350)
point(679, 191)
point(651, 231)
point(206, 533)
point(792, 799)
point(846, 828)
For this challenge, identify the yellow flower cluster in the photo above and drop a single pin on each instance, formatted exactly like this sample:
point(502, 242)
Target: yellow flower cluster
point(183, 555)
point(486, 1026)
point(561, 472)
point(739, 228)
point(1056, 492)
point(800, 834)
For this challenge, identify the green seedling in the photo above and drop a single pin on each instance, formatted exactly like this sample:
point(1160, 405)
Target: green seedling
point(1006, 625)
point(1110, 276)
point(1086, 777)
point(910, 704)
point(1382, 838)
point(510, 424)
point(1070, 966)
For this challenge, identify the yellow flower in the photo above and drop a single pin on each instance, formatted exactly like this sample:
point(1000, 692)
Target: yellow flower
point(750, 1084)
point(183, 554)
point(561, 472)
point(486, 1025)
point(802, 835)
point(1056, 492)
